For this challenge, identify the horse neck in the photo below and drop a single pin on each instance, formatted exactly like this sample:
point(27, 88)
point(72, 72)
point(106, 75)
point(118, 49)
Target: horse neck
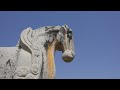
point(48, 50)
point(48, 68)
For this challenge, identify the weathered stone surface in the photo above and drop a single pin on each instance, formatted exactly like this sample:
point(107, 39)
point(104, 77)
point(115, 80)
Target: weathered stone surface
point(33, 56)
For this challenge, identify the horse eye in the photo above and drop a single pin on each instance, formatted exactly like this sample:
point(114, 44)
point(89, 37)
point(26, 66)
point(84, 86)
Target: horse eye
point(69, 32)
point(69, 35)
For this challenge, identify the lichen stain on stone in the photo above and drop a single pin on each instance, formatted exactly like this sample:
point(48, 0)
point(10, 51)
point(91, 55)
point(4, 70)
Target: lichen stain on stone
point(50, 60)
point(8, 63)
point(8, 69)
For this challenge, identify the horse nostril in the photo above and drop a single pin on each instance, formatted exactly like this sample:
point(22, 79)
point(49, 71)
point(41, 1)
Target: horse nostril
point(72, 54)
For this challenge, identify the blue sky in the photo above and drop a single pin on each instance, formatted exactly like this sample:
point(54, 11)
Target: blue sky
point(96, 39)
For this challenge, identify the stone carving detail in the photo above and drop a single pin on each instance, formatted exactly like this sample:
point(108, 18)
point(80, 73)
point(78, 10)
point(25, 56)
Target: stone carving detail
point(21, 72)
point(33, 56)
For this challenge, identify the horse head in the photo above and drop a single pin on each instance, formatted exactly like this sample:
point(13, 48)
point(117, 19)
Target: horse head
point(63, 37)
point(65, 43)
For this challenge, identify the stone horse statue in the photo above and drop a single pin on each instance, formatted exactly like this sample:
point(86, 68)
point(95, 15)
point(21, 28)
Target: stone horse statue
point(33, 56)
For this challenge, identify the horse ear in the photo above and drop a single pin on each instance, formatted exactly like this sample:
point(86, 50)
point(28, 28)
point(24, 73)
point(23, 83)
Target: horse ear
point(26, 39)
point(66, 26)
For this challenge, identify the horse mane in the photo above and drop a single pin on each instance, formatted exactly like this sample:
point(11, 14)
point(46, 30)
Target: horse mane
point(47, 28)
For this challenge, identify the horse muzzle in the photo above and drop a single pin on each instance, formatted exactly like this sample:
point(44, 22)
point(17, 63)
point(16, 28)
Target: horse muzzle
point(68, 55)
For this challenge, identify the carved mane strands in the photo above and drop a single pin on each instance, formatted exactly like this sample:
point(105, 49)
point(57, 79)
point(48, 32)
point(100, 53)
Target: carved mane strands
point(33, 56)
